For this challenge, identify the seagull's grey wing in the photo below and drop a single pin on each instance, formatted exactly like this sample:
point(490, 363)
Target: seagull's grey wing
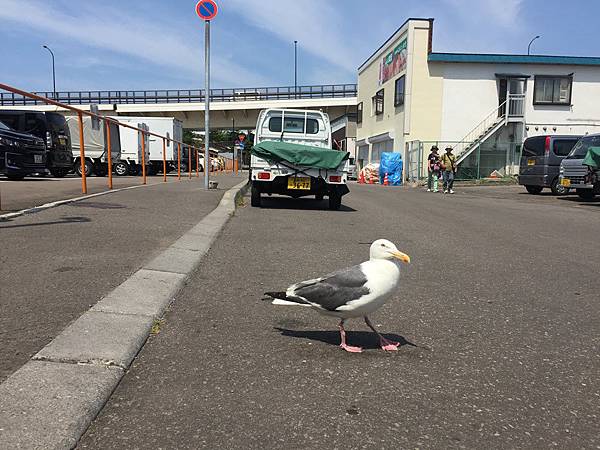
point(333, 290)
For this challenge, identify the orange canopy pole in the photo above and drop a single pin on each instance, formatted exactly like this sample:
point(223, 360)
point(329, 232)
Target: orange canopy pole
point(109, 154)
point(82, 154)
point(189, 163)
point(164, 160)
point(197, 162)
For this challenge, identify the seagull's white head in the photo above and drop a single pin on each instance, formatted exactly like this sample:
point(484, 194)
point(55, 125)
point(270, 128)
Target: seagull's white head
point(384, 249)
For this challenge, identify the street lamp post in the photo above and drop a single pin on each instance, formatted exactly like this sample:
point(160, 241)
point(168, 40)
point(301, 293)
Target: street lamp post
point(295, 69)
point(529, 46)
point(53, 71)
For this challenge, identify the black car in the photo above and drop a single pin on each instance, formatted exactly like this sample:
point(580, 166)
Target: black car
point(20, 153)
point(540, 162)
point(52, 128)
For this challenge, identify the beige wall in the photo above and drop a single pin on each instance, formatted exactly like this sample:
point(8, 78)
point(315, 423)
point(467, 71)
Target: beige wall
point(420, 116)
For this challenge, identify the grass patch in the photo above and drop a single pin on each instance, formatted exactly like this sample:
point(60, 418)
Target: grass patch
point(156, 326)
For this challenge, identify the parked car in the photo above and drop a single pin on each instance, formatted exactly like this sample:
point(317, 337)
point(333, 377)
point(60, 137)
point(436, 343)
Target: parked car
point(540, 162)
point(573, 173)
point(52, 128)
point(21, 154)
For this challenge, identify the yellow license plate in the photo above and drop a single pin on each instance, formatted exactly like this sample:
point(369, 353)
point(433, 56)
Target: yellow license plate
point(62, 141)
point(302, 183)
point(565, 182)
point(531, 162)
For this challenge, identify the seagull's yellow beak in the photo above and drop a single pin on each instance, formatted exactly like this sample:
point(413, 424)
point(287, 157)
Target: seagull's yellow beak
point(402, 257)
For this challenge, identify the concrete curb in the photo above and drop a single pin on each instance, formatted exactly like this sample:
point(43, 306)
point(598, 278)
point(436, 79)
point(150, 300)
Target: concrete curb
point(51, 400)
point(36, 209)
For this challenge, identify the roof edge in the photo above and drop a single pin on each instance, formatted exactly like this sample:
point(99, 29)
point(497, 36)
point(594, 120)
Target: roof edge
point(512, 58)
point(391, 38)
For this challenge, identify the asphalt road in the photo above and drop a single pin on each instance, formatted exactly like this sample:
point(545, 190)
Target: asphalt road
point(499, 313)
point(36, 191)
point(57, 263)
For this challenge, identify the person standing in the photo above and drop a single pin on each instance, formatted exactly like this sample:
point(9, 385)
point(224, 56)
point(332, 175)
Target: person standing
point(433, 169)
point(449, 169)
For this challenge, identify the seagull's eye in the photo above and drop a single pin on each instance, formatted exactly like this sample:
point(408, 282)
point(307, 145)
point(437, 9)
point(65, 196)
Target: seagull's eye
point(383, 245)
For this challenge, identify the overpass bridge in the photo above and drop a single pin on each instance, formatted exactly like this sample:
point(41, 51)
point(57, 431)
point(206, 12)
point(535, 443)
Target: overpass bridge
point(235, 108)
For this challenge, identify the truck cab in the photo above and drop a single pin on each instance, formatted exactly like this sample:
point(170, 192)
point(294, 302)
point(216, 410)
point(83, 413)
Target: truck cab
point(306, 132)
point(573, 174)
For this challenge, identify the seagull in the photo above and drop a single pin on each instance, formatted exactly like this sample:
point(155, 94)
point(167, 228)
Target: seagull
point(352, 292)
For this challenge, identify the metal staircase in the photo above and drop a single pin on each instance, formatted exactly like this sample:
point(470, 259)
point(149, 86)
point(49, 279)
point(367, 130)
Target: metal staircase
point(509, 110)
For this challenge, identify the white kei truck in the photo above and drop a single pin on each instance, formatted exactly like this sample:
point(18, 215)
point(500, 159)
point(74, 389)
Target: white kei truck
point(292, 156)
point(169, 127)
point(131, 159)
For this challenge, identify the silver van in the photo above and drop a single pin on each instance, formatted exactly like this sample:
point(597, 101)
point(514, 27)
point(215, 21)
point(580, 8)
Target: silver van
point(572, 170)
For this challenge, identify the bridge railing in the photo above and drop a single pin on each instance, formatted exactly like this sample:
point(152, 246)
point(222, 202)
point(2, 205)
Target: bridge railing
point(185, 96)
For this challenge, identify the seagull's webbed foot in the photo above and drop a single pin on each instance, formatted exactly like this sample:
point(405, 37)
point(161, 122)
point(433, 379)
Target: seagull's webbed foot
point(350, 348)
point(389, 346)
point(345, 346)
point(386, 344)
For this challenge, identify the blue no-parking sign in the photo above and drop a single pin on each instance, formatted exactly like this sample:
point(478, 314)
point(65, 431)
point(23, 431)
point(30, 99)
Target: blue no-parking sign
point(207, 9)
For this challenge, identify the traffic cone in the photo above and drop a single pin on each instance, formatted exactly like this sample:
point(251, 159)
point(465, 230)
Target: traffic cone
point(386, 181)
point(361, 177)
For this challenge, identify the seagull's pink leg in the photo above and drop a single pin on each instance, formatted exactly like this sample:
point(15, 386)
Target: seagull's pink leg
point(386, 344)
point(345, 346)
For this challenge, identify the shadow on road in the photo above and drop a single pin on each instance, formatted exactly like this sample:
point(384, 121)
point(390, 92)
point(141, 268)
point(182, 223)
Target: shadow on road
point(364, 339)
point(300, 204)
point(593, 202)
point(98, 205)
point(63, 220)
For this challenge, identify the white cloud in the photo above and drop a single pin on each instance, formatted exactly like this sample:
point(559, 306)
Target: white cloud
point(124, 34)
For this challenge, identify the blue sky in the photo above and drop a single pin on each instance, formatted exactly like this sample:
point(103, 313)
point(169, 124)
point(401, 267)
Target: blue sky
point(158, 44)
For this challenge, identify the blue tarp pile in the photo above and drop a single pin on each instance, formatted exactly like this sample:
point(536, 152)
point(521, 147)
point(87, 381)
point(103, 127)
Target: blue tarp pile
point(391, 163)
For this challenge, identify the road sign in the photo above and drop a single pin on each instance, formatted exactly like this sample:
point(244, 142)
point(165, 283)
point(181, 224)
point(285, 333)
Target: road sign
point(207, 9)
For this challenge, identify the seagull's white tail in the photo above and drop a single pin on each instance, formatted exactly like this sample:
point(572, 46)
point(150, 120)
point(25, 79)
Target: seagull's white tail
point(280, 302)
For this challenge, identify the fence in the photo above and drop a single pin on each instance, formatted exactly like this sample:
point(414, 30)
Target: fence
point(181, 96)
point(184, 151)
point(489, 159)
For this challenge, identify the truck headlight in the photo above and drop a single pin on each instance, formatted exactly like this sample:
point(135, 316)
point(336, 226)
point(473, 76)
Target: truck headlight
point(7, 141)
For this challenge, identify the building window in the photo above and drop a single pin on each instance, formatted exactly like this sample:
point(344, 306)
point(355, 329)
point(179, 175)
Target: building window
point(359, 112)
point(378, 103)
point(399, 94)
point(552, 90)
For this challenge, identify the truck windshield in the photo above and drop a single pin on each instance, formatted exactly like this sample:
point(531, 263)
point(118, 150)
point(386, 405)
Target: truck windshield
point(35, 124)
point(582, 146)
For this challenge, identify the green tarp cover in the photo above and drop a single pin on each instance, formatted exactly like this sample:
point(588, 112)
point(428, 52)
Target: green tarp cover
point(300, 155)
point(592, 158)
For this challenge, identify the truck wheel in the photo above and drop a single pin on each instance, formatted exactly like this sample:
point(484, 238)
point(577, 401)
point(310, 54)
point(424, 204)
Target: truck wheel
point(557, 188)
point(335, 202)
point(121, 169)
point(255, 197)
point(535, 190)
point(586, 194)
point(59, 172)
point(89, 167)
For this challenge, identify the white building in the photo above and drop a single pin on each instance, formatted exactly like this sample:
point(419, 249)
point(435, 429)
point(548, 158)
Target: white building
point(410, 97)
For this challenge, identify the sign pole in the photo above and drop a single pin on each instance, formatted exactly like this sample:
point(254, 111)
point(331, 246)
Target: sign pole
point(206, 101)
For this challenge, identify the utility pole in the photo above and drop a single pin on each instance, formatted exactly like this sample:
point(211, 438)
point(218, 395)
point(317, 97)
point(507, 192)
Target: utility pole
point(53, 71)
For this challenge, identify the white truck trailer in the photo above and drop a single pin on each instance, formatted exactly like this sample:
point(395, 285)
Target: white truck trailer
point(165, 126)
point(131, 159)
point(292, 156)
point(95, 145)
